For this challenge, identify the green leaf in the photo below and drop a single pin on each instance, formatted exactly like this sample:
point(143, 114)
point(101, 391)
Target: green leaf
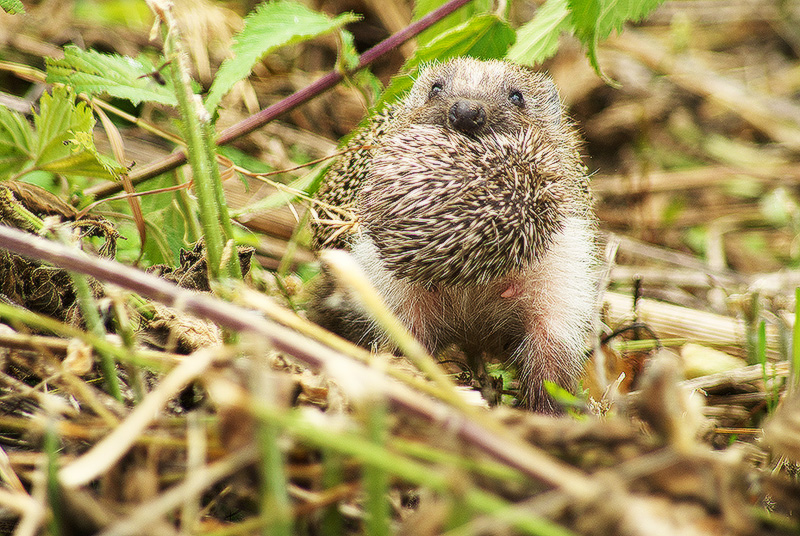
point(166, 226)
point(166, 235)
point(364, 80)
point(63, 140)
point(594, 20)
point(348, 53)
point(483, 37)
point(562, 396)
point(12, 7)
point(93, 73)
point(460, 16)
point(16, 142)
point(270, 26)
point(537, 40)
point(110, 13)
point(60, 143)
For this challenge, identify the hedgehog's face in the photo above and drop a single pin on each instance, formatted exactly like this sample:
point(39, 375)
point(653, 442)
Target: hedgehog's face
point(475, 179)
point(476, 98)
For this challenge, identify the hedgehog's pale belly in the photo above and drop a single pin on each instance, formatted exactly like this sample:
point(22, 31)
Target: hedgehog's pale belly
point(540, 316)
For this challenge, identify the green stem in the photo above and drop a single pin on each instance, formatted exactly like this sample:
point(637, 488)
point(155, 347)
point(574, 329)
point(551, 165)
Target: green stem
point(51, 448)
point(233, 268)
point(19, 209)
point(751, 318)
point(291, 246)
point(794, 367)
point(376, 480)
point(274, 498)
point(761, 355)
point(185, 206)
point(93, 323)
point(10, 313)
point(126, 333)
point(195, 120)
point(332, 522)
point(430, 454)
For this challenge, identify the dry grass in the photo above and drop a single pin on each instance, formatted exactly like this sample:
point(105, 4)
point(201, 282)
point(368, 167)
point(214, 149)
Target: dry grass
point(687, 423)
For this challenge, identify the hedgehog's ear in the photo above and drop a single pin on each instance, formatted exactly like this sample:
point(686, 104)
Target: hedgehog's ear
point(550, 101)
point(547, 97)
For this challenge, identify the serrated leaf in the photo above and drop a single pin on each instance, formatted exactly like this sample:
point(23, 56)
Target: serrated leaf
point(270, 26)
point(594, 20)
point(61, 142)
point(16, 142)
point(537, 40)
point(600, 17)
point(82, 163)
point(484, 37)
point(63, 139)
point(58, 121)
point(460, 16)
point(12, 7)
point(93, 73)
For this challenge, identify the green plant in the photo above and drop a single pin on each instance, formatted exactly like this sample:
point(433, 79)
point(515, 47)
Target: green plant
point(60, 143)
point(66, 147)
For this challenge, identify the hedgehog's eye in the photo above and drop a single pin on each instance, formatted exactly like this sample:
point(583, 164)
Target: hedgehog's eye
point(516, 98)
point(436, 88)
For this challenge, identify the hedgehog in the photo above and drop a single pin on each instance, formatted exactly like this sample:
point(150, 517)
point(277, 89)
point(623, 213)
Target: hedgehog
point(474, 222)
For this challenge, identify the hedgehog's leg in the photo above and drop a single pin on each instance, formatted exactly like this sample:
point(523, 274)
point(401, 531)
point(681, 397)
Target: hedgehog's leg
point(334, 308)
point(491, 387)
point(543, 356)
point(559, 294)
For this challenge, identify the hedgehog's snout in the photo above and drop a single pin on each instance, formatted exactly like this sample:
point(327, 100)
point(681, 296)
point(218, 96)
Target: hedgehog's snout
point(468, 116)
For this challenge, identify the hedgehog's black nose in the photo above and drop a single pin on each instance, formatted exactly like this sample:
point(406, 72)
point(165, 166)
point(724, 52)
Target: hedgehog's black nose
point(467, 116)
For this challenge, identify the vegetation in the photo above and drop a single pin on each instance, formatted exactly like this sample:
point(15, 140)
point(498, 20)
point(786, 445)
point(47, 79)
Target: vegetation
point(168, 381)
